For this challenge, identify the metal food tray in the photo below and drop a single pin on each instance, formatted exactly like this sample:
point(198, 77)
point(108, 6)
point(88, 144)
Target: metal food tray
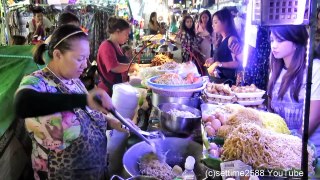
point(174, 87)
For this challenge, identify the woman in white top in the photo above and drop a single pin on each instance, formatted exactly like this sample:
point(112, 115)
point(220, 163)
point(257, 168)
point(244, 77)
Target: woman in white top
point(287, 84)
point(205, 31)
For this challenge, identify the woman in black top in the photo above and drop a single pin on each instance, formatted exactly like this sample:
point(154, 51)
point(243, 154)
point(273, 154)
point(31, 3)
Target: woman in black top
point(227, 60)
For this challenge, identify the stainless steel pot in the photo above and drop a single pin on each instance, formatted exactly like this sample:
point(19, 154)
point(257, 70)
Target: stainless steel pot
point(179, 125)
point(178, 150)
point(188, 101)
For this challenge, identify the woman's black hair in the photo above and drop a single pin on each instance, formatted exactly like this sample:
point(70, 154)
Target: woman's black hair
point(191, 30)
point(36, 10)
point(115, 24)
point(293, 79)
point(60, 41)
point(225, 16)
point(18, 40)
point(209, 23)
point(153, 14)
point(66, 18)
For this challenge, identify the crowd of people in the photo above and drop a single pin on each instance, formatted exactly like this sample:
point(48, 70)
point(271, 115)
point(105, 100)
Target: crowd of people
point(62, 116)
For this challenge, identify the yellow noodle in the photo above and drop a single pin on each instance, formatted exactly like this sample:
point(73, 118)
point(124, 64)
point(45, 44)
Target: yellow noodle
point(265, 149)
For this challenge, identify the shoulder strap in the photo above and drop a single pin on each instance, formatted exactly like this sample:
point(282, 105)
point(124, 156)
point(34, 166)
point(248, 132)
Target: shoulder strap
point(114, 47)
point(105, 82)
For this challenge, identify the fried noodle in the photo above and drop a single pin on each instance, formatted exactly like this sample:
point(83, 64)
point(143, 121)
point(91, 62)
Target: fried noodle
point(264, 149)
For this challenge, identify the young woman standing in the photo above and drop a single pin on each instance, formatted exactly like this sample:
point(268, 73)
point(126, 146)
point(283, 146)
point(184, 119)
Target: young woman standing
point(227, 57)
point(287, 84)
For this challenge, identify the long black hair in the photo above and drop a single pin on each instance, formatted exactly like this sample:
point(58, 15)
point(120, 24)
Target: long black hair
point(191, 30)
point(61, 39)
point(225, 16)
point(153, 14)
point(209, 23)
point(293, 78)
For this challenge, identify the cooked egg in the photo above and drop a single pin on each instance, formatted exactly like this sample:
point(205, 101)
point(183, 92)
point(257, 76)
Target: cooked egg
point(215, 124)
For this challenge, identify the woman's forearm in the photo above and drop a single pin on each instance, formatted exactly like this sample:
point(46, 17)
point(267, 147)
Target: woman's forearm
point(121, 68)
point(231, 64)
point(30, 103)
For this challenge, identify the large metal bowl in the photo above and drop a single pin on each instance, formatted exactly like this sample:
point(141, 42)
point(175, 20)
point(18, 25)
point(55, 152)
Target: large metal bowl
point(179, 125)
point(158, 99)
point(178, 150)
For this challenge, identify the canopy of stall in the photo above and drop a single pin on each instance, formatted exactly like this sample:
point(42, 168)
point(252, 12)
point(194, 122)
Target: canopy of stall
point(15, 62)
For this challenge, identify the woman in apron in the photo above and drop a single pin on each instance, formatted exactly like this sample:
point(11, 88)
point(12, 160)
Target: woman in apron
point(112, 62)
point(64, 121)
point(287, 84)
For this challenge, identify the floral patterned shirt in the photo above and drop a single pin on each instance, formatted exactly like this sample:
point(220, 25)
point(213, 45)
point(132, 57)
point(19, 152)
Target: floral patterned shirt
point(53, 132)
point(188, 42)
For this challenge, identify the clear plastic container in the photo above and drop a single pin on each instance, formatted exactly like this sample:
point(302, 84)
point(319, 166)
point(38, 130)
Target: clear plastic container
point(125, 99)
point(188, 173)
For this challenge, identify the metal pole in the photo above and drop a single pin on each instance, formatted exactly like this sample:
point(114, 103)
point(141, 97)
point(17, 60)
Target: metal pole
point(305, 136)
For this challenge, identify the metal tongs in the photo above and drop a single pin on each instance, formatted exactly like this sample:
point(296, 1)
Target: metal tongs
point(144, 135)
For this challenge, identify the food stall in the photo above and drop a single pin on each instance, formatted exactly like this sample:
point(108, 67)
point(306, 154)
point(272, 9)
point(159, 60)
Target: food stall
point(179, 113)
point(237, 132)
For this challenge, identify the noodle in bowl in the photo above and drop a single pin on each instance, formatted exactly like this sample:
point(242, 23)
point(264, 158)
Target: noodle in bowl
point(177, 149)
point(173, 81)
point(179, 119)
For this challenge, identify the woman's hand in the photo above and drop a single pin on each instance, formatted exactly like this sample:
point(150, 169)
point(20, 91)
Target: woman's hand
point(212, 68)
point(105, 103)
point(134, 68)
point(114, 123)
point(208, 62)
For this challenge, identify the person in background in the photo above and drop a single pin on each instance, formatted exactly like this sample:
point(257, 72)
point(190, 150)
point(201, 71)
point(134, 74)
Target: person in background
point(184, 14)
point(223, 66)
point(239, 23)
point(18, 40)
point(66, 124)
point(173, 29)
point(127, 50)
point(189, 42)
point(154, 26)
point(66, 18)
point(317, 36)
point(188, 38)
point(39, 26)
point(205, 31)
point(163, 28)
point(196, 18)
point(112, 62)
point(287, 84)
